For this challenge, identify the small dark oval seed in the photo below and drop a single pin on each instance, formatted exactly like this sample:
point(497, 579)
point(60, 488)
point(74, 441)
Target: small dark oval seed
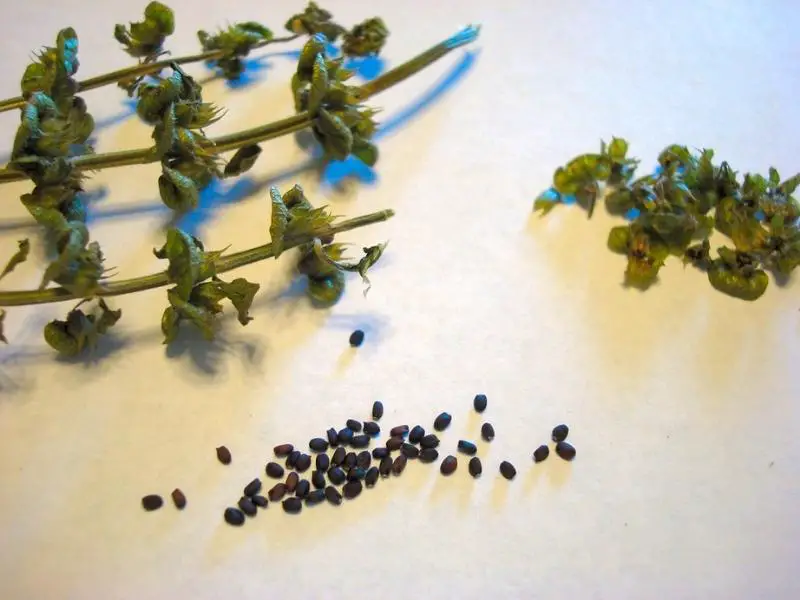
point(345, 435)
point(252, 488)
point(318, 445)
point(442, 422)
point(318, 479)
point(277, 491)
point(398, 430)
point(449, 465)
point(399, 464)
point(152, 502)
point(479, 403)
point(467, 448)
point(487, 432)
point(291, 460)
point(282, 450)
point(475, 466)
point(356, 473)
point(336, 476)
point(416, 434)
point(560, 433)
point(291, 482)
point(372, 428)
point(377, 409)
point(315, 497)
point(178, 499)
point(333, 436)
point(302, 489)
point(428, 455)
point(303, 463)
point(361, 440)
point(338, 456)
point(356, 338)
point(429, 441)
point(379, 453)
point(371, 477)
point(386, 466)
point(274, 470)
point(224, 455)
point(541, 453)
point(322, 462)
point(394, 443)
point(247, 507)
point(292, 505)
point(333, 495)
point(233, 516)
point(410, 450)
point(565, 450)
point(352, 489)
point(350, 460)
point(364, 459)
point(507, 470)
point(354, 425)
point(260, 501)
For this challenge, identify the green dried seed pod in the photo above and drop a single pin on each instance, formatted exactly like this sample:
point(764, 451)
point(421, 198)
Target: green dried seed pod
point(57, 337)
point(326, 291)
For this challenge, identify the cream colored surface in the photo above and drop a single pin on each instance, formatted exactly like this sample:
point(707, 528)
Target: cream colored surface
point(683, 403)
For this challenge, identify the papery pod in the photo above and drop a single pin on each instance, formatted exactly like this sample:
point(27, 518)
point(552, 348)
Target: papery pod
point(243, 160)
point(366, 39)
point(326, 291)
point(178, 192)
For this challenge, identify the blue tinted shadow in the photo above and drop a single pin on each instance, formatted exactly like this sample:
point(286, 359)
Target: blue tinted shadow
point(336, 171)
point(254, 70)
point(368, 67)
point(632, 214)
point(211, 199)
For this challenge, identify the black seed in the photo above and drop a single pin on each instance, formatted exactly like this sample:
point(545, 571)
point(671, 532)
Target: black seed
point(399, 464)
point(560, 433)
point(361, 440)
point(345, 435)
point(338, 456)
point(247, 507)
point(260, 501)
point(372, 428)
point(356, 473)
point(449, 465)
point(274, 470)
point(336, 476)
point(352, 489)
point(399, 431)
point(302, 489)
point(479, 403)
point(541, 453)
point(371, 477)
point(565, 450)
point(467, 448)
point(303, 463)
point(386, 466)
point(333, 436)
point(233, 516)
point(377, 410)
point(178, 499)
point(292, 505)
point(322, 462)
point(428, 455)
point(224, 455)
point(252, 488)
point(354, 425)
point(356, 338)
point(507, 470)
point(152, 502)
point(364, 459)
point(318, 445)
point(487, 432)
point(333, 495)
point(442, 422)
point(291, 482)
point(416, 434)
point(410, 450)
point(394, 443)
point(429, 441)
point(282, 450)
point(277, 491)
point(315, 497)
point(379, 453)
point(350, 460)
point(475, 466)
point(318, 479)
point(291, 460)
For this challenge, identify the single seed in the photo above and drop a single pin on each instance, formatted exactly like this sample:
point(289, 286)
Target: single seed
point(318, 479)
point(399, 464)
point(410, 450)
point(428, 455)
point(260, 501)
point(541, 453)
point(354, 425)
point(449, 465)
point(507, 470)
point(386, 466)
point(377, 410)
point(291, 482)
point(345, 435)
point(233, 516)
point(318, 445)
point(399, 431)
point(247, 507)
point(565, 450)
point(352, 489)
point(303, 463)
point(356, 338)
point(224, 455)
point(278, 491)
point(560, 433)
point(252, 488)
point(364, 459)
point(467, 448)
point(333, 495)
point(336, 476)
point(429, 441)
point(394, 443)
point(350, 460)
point(152, 502)
point(372, 428)
point(416, 434)
point(292, 505)
point(371, 477)
point(475, 466)
point(302, 489)
point(361, 440)
point(356, 473)
point(333, 436)
point(442, 422)
point(322, 462)
point(487, 432)
point(282, 450)
point(274, 470)
point(315, 497)
point(479, 403)
point(178, 499)
point(379, 453)
point(338, 456)
point(291, 460)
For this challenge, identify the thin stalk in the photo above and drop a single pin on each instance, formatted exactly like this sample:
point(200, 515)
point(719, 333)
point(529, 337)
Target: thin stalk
point(298, 122)
point(141, 70)
point(156, 280)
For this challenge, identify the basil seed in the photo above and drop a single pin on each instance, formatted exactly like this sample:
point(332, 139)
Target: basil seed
point(377, 410)
point(487, 432)
point(507, 470)
point(178, 499)
point(379, 453)
point(292, 505)
point(277, 492)
point(152, 502)
point(442, 422)
point(247, 507)
point(318, 445)
point(333, 495)
point(233, 516)
point(291, 460)
point(372, 428)
point(318, 479)
point(360, 441)
point(345, 436)
point(322, 462)
point(565, 450)
point(467, 448)
point(336, 476)
point(410, 450)
point(479, 403)
point(356, 338)
point(399, 431)
point(315, 497)
point(354, 425)
point(371, 477)
point(252, 488)
point(541, 453)
point(224, 455)
point(338, 456)
point(416, 434)
point(260, 501)
point(352, 489)
point(394, 443)
point(274, 470)
point(291, 482)
point(429, 441)
point(333, 436)
point(449, 465)
point(364, 459)
point(386, 466)
point(475, 467)
point(560, 433)
point(428, 455)
point(399, 464)
point(303, 463)
point(282, 450)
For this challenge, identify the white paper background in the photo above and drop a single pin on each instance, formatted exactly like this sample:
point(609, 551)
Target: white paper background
point(683, 403)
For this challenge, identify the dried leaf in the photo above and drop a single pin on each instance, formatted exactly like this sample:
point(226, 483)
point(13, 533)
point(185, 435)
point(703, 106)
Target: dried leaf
point(243, 160)
point(20, 256)
point(2, 320)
